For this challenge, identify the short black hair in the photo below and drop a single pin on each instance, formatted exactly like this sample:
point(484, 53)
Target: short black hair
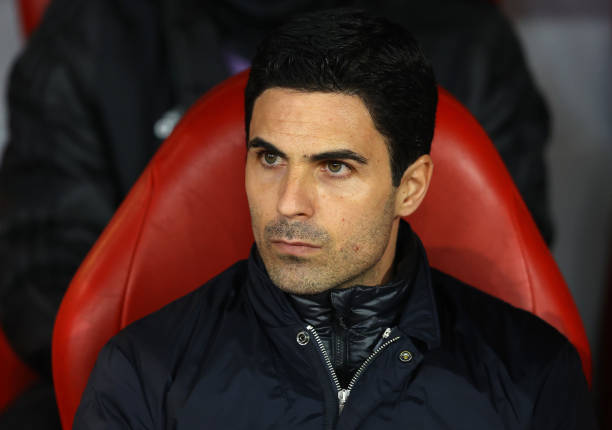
point(347, 51)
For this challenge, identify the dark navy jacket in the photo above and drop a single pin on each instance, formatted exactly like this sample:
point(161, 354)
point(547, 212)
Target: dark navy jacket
point(233, 355)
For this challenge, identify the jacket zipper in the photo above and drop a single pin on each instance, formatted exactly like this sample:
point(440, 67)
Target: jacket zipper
point(343, 393)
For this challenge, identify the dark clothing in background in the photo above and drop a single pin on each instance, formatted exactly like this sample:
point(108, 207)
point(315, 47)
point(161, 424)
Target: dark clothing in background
point(34, 410)
point(230, 356)
point(97, 76)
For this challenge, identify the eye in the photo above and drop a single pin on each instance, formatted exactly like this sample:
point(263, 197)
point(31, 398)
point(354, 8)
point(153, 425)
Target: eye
point(337, 168)
point(334, 166)
point(269, 158)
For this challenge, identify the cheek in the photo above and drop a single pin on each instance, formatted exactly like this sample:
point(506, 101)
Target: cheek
point(349, 218)
point(253, 197)
point(353, 206)
point(342, 217)
point(257, 209)
point(261, 203)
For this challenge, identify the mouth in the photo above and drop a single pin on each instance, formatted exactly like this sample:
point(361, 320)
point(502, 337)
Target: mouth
point(295, 248)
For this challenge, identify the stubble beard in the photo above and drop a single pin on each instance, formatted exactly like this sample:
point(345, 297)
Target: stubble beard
point(353, 264)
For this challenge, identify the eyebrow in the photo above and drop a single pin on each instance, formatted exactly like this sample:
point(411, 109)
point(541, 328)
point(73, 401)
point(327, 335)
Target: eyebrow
point(342, 154)
point(258, 142)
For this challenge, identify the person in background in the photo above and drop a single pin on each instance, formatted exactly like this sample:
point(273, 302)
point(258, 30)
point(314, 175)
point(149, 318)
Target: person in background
point(101, 84)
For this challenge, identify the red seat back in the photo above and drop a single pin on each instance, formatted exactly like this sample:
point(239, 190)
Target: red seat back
point(31, 12)
point(14, 373)
point(186, 219)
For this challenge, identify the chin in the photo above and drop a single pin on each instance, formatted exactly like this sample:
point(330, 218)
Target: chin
point(297, 286)
point(297, 282)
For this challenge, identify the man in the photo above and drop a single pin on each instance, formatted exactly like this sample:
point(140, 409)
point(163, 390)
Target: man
point(101, 83)
point(336, 319)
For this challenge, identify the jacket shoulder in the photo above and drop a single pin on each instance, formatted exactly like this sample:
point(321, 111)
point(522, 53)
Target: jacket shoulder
point(520, 339)
point(166, 333)
point(513, 354)
point(135, 368)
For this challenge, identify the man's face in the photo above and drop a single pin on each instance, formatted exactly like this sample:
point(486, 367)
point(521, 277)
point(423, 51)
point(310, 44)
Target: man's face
point(318, 181)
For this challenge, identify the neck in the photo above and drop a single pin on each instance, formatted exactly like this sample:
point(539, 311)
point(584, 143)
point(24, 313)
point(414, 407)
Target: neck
point(351, 320)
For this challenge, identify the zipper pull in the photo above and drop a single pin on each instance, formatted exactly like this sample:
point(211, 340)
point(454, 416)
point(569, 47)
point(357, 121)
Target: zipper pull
point(382, 339)
point(343, 395)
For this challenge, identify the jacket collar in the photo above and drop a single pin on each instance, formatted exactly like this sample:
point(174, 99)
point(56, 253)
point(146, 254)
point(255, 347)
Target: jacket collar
point(365, 310)
point(418, 319)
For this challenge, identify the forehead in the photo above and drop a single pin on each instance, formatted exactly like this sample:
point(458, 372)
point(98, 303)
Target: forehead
point(315, 121)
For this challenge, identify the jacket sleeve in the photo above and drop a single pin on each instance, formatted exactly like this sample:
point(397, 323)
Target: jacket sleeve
point(114, 396)
point(56, 186)
point(564, 401)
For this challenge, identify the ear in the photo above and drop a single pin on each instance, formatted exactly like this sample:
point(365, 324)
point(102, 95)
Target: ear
point(414, 186)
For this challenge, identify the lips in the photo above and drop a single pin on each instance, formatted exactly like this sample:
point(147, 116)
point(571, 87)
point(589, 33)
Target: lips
point(295, 248)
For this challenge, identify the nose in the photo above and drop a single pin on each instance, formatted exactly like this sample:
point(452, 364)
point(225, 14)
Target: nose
point(296, 195)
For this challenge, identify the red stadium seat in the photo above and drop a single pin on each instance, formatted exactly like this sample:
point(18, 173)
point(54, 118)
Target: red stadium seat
point(31, 12)
point(14, 374)
point(186, 219)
